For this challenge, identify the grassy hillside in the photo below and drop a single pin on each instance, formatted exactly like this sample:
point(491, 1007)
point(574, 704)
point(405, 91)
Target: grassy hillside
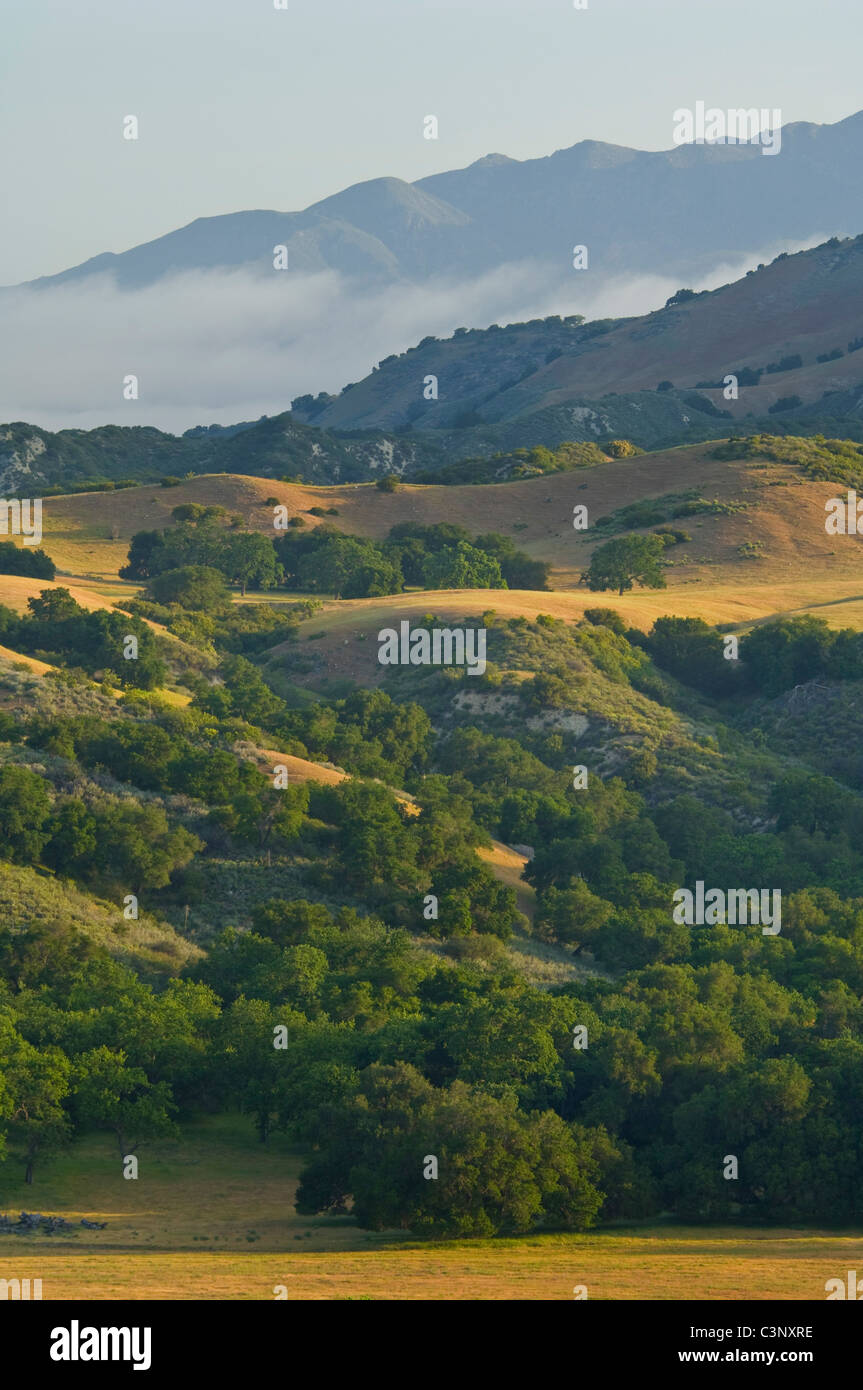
point(148, 945)
point(398, 866)
point(768, 522)
point(340, 642)
point(16, 589)
point(789, 314)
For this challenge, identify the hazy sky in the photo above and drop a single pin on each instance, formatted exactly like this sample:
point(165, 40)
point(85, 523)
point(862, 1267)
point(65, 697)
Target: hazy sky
point(244, 106)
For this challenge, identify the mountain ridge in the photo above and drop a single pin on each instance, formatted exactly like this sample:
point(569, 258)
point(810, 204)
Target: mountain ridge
point(499, 210)
point(792, 330)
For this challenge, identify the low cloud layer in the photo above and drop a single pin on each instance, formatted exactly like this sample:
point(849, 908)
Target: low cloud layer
point(219, 347)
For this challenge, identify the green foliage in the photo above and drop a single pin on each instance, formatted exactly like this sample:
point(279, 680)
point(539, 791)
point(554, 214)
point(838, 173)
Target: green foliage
point(661, 509)
point(36, 1082)
point(523, 463)
point(465, 567)
point(605, 617)
point(192, 586)
point(23, 559)
point(621, 449)
point(621, 563)
point(309, 902)
point(24, 807)
point(97, 641)
point(111, 1095)
point(118, 842)
point(431, 557)
point(517, 569)
point(791, 651)
point(349, 568)
point(839, 460)
point(693, 652)
point(241, 557)
point(498, 1171)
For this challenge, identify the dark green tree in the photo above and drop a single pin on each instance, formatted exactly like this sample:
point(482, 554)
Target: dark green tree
point(625, 561)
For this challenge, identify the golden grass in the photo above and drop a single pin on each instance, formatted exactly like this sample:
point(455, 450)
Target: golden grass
point(801, 569)
point(18, 659)
point(508, 865)
point(299, 769)
point(657, 1266)
point(160, 1241)
point(16, 589)
point(348, 648)
point(87, 534)
point(838, 600)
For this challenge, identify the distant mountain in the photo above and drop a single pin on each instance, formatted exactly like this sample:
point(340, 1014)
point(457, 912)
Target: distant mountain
point(677, 212)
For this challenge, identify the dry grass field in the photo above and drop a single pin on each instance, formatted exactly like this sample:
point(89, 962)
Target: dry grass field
point(654, 1265)
point(87, 534)
point(771, 558)
point(213, 1218)
point(344, 632)
point(16, 589)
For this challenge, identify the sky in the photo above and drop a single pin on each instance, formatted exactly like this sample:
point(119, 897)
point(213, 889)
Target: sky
point(241, 105)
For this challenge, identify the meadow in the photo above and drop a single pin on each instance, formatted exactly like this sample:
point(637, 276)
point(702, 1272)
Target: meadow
point(213, 1218)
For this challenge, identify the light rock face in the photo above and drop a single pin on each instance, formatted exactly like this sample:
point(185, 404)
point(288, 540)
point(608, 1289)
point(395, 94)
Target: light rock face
point(16, 460)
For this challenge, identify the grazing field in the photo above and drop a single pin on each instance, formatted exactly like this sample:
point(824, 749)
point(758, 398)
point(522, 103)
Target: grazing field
point(653, 1265)
point(212, 1217)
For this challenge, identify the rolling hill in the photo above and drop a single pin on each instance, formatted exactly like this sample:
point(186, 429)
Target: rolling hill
point(764, 517)
point(755, 548)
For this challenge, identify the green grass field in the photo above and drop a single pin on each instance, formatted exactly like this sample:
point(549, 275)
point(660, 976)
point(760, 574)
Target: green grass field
point(212, 1217)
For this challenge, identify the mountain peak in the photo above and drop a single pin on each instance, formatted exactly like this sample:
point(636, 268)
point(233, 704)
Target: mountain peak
point(491, 161)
